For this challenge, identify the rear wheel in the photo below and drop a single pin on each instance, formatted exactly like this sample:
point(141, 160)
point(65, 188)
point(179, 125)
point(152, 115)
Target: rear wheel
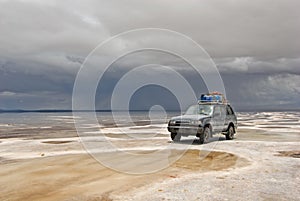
point(175, 137)
point(204, 137)
point(230, 133)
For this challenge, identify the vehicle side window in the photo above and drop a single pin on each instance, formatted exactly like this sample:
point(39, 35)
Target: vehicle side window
point(229, 110)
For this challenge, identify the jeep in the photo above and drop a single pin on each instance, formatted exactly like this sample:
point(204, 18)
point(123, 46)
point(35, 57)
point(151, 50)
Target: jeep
point(204, 120)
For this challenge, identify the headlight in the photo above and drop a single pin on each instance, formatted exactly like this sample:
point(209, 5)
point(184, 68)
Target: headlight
point(172, 122)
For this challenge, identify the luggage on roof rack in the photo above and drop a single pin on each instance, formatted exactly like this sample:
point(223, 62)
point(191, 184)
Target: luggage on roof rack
point(214, 97)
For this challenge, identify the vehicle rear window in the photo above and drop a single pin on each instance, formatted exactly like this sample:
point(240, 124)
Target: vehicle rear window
point(229, 110)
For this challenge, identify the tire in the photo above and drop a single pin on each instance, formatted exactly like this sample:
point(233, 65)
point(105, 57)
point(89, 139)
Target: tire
point(205, 135)
point(230, 133)
point(175, 137)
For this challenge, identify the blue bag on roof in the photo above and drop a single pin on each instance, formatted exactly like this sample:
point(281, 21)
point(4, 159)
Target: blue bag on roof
point(207, 98)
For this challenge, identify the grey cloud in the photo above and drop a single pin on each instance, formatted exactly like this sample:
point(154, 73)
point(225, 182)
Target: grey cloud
point(45, 33)
point(282, 87)
point(225, 28)
point(263, 91)
point(259, 65)
point(43, 44)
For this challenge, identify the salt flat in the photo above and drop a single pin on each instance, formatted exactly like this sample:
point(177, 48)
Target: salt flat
point(40, 162)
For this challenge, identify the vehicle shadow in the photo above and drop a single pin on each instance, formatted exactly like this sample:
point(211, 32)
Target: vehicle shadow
point(196, 141)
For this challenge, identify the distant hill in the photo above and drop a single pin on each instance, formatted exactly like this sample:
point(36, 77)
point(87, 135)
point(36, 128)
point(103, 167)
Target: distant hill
point(41, 111)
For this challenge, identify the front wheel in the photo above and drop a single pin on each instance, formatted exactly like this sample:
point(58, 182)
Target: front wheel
point(204, 137)
point(230, 133)
point(175, 137)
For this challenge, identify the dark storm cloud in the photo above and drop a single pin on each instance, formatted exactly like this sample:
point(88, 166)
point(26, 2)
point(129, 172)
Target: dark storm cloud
point(263, 91)
point(43, 44)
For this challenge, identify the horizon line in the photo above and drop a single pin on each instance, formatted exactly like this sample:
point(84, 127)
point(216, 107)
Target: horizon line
point(138, 110)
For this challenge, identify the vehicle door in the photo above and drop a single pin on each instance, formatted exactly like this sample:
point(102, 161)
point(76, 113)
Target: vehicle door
point(218, 118)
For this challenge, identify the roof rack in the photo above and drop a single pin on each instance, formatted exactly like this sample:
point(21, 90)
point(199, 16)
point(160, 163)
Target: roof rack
point(212, 98)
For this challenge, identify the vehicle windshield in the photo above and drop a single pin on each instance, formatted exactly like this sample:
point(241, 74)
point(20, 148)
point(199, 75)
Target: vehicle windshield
point(199, 109)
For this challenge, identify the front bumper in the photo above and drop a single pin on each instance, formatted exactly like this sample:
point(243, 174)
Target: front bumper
point(186, 130)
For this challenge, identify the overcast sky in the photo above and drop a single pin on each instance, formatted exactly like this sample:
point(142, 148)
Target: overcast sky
point(255, 45)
